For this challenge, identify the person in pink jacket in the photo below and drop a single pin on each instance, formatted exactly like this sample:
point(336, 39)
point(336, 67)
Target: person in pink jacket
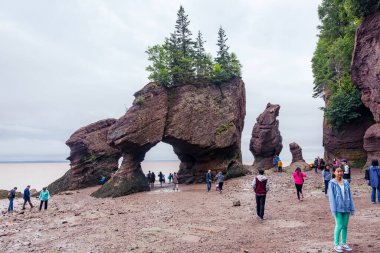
point(298, 177)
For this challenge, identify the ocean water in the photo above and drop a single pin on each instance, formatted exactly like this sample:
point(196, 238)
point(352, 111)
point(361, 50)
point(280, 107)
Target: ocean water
point(38, 175)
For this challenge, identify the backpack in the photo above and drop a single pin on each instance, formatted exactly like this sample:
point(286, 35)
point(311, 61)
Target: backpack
point(366, 174)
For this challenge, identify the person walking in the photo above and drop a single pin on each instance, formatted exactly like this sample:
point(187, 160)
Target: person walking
point(326, 177)
point(346, 170)
point(170, 177)
point(175, 181)
point(260, 186)
point(44, 197)
point(152, 179)
point(341, 205)
point(11, 197)
point(26, 198)
point(374, 180)
point(298, 177)
point(161, 178)
point(279, 165)
point(208, 180)
point(219, 179)
point(316, 164)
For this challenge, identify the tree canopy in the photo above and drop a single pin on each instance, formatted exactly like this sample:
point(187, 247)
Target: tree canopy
point(331, 61)
point(184, 60)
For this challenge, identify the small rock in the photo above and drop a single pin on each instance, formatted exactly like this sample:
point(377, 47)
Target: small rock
point(236, 203)
point(246, 251)
point(64, 222)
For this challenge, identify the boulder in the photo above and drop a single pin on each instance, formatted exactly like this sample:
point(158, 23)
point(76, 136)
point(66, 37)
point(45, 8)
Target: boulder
point(296, 151)
point(365, 73)
point(203, 123)
point(301, 164)
point(90, 158)
point(266, 141)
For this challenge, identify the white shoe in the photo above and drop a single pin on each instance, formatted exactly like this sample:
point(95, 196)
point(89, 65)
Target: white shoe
point(346, 247)
point(338, 248)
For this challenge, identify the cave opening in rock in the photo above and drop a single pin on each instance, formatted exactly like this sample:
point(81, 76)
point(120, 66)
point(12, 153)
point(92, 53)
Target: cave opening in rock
point(162, 158)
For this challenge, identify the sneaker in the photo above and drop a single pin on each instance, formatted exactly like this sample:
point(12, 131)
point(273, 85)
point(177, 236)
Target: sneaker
point(373, 202)
point(346, 247)
point(338, 248)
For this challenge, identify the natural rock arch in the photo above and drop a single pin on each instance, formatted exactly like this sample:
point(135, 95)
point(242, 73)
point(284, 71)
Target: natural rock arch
point(203, 123)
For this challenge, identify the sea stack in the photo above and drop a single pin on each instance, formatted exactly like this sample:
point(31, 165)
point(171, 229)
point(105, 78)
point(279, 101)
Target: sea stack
point(266, 141)
point(203, 123)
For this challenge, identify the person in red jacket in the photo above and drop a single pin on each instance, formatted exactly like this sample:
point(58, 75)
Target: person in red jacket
point(260, 186)
point(298, 177)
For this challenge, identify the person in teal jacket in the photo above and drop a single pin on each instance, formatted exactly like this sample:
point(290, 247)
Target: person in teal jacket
point(44, 197)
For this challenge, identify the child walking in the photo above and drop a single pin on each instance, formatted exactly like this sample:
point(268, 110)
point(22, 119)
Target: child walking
point(298, 177)
point(260, 186)
point(341, 205)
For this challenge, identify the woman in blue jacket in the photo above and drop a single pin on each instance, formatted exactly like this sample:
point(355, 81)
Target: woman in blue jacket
point(374, 178)
point(341, 205)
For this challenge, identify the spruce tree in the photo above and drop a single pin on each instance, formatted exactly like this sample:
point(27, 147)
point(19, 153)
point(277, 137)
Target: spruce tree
point(202, 61)
point(222, 55)
point(181, 49)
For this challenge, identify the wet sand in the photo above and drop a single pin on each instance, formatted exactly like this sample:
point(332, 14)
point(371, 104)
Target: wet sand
point(192, 220)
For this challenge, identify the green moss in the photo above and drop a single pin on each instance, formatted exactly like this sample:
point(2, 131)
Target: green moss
point(224, 127)
point(359, 163)
point(140, 100)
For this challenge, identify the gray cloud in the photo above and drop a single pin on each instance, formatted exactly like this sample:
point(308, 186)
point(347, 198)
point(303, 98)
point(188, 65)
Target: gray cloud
point(65, 64)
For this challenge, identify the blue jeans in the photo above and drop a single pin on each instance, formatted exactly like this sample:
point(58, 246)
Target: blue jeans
point(326, 185)
point(373, 194)
point(208, 185)
point(10, 207)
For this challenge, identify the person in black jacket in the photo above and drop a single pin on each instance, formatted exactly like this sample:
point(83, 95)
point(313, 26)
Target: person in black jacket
point(27, 197)
point(11, 197)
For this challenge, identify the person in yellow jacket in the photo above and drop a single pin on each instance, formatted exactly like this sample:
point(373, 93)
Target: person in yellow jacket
point(279, 165)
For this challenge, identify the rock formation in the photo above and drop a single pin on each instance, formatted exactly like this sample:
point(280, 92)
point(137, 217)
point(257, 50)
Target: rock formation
point(202, 122)
point(297, 159)
point(266, 141)
point(365, 73)
point(90, 158)
point(296, 151)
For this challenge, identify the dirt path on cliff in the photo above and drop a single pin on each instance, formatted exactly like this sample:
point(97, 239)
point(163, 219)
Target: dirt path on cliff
point(192, 220)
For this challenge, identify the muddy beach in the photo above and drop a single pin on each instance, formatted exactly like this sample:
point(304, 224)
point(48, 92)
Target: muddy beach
point(191, 220)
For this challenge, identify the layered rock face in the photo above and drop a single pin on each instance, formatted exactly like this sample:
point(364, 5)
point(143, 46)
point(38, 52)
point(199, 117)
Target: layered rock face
point(90, 158)
point(266, 141)
point(202, 122)
point(347, 142)
point(365, 73)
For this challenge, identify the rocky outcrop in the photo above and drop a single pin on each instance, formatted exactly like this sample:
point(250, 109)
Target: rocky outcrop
point(90, 158)
point(202, 122)
point(365, 73)
point(266, 141)
point(347, 142)
point(297, 159)
point(296, 151)
point(372, 143)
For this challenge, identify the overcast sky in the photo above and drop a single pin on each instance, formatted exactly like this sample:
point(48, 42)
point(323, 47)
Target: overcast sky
point(66, 64)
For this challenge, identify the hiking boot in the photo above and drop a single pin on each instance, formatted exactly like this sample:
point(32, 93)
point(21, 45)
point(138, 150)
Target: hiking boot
point(338, 248)
point(346, 247)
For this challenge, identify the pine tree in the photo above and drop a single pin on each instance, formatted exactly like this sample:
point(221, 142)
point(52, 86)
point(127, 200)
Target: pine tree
point(181, 49)
point(222, 55)
point(203, 62)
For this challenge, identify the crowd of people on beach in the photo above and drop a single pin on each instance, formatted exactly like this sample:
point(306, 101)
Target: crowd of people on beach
point(44, 197)
point(336, 179)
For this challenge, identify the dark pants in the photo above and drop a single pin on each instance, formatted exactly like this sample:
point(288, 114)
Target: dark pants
point(27, 200)
point(260, 205)
point(280, 169)
point(46, 204)
point(10, 207)
point(220, 186)
point(208, 185)
point(326, 185)
point(299, 189)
